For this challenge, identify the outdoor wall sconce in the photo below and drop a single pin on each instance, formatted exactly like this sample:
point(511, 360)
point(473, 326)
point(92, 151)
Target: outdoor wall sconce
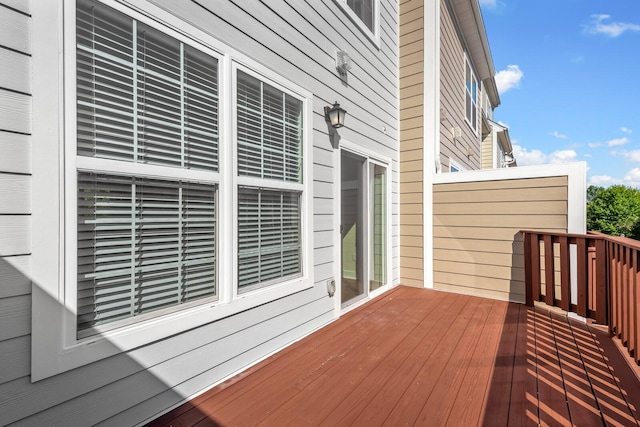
point(343, 62)
point(456, 133)
point(335, 115)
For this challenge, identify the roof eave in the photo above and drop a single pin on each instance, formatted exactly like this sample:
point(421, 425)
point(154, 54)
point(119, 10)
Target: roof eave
point(472, 26)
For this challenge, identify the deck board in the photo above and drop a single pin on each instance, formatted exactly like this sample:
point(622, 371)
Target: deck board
point(422, 357)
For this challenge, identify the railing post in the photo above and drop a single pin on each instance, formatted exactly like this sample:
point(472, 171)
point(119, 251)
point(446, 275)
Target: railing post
point(549, 271)
point(601, 294)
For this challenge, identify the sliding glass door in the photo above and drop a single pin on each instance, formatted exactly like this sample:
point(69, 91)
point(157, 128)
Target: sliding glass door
point(364, 226)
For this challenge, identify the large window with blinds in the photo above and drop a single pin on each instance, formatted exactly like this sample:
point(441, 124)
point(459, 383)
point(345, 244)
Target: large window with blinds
point(146, 170)
point(179, 192)
point(270, 186)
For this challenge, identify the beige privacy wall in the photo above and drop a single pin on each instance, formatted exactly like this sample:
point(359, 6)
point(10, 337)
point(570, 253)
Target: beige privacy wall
point(411, 142)
point(478, 249)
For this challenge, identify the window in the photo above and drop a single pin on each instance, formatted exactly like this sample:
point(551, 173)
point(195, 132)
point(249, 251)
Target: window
point(454, 166)
point(269, 134)
point(471, 96)
point(365, 14)
point(146, 237)
point(364, 9)
point(185, 175)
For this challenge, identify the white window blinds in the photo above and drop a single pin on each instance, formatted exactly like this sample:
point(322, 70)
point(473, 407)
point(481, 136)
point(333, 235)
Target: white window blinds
point(269, 134)
point(143, 98)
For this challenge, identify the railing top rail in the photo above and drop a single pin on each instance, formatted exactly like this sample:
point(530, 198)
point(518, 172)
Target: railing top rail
point(624, 241)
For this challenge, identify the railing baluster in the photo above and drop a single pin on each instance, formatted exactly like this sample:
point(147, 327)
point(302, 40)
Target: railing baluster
point(633, 314)
point(626, 282)
point(636, 305)
point(528, 270)
point(565, 274)
point(535, 266)
point(549, 271)
point(601, 282)
point(615, 288)
point(613, 283)
point(581, 243)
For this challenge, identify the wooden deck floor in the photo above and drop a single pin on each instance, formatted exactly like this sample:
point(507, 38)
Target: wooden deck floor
point(421, 357)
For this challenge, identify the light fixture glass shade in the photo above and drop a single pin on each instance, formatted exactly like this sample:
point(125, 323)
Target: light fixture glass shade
point(336, 115)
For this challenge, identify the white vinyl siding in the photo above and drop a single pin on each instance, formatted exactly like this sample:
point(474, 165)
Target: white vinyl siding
point(270, 147)
point(143, 98)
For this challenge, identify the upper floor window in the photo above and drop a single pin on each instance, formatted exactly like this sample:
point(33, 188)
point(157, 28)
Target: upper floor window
point(364, 9)
point(454, 166)
point(471, 96)
point(365, 14)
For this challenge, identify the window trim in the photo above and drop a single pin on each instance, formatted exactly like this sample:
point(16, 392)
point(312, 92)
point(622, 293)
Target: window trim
point(373, 35)
point(55, 348)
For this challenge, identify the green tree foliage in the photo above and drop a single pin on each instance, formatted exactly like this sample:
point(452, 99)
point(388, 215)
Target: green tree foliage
point(614, 210)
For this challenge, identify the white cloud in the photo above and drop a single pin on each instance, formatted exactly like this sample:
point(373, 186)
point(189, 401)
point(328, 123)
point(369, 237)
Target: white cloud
point(603, 180)
point(617, 142)
point(611, 29)
point(594, 144)
point(526, 157)
point(563, 156)
point(632, 177)
point(558, 135)
point(509, 78)
point(626, 130)
point(632, 156)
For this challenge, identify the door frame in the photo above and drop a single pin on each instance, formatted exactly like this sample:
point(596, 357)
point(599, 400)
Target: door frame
point(370, 157)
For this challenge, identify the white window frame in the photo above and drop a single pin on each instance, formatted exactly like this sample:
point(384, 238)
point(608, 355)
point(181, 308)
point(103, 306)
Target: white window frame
point(55, 348)
point(474, 102)
point(374, 34)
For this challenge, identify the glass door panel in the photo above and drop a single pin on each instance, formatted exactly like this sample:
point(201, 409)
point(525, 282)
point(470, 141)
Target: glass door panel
point(378, 221)
point(352, 227)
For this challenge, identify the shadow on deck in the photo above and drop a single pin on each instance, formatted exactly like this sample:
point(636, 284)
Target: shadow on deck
point(421, 357)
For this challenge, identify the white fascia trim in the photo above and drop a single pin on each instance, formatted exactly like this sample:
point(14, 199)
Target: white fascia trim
point(431, 129)
point(577, 185)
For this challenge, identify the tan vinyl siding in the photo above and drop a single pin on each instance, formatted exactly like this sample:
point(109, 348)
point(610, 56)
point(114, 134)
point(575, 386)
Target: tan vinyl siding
point(477, 244)
point(452, 96)
point(488, 152)
point(411, 141)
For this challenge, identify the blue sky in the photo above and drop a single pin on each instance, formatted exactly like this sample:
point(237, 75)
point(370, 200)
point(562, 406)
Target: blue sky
point(568, 72)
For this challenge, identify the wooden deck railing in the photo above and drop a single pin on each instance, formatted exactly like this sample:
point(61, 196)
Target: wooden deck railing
point(606, 278)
